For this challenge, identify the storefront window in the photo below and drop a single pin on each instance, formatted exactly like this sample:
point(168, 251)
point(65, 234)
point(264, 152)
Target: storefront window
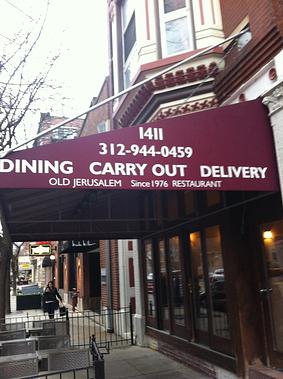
point(189, 198)
point(273, 244)
point(163, 290)
point(150, 286)
point(199, 287)
point(213, 198)
point(217, 282)
point(172, 204)
point(176, 281)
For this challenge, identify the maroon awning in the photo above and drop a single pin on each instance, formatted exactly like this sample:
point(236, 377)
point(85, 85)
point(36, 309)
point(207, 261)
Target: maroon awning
point(228, 148)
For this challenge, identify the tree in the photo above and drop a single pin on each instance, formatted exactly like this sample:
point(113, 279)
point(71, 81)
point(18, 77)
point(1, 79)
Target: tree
point(20, 92)
point(14, 264)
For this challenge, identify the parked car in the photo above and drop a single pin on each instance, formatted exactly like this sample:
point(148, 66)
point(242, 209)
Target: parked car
point(218, 295)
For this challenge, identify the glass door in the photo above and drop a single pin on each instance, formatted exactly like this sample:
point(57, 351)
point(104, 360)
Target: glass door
point(272, 291)
point(211, 323)
point(177, 286)
point(199, 288)
point(150, 284)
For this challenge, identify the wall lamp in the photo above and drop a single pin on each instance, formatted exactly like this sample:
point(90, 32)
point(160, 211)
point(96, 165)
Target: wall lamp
point(267, 235)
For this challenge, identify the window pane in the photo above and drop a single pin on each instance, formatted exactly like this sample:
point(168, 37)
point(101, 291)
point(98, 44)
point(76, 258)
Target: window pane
point(150, 287)
point(172, 204)
point(273, 244)
point(213, 198)
point(189, 202)
point(217, 282)
point(172, 5)
point(163, 286)
point(177, 281)
point(201, 308)
point(127, 11)
point(129, 37)
point(177, 35)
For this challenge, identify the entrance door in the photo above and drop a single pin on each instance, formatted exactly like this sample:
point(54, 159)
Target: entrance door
point(272, 291)
point(211, 326)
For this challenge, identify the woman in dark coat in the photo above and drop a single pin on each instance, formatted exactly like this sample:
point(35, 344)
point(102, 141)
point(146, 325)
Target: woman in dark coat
point(50, 299)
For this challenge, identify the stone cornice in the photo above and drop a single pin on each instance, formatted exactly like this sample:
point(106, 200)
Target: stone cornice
point(274, 99)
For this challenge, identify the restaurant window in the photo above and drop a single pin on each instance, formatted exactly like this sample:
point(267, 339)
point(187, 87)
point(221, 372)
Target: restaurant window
point(176, 31)
point(189, 200)
point(273, 249)
point(199, 285)
point(150, 280)
point(158, 209)
point(213, 198)
point(172, 203)
point(216, 276)
point(177, 286)
point(163, 287)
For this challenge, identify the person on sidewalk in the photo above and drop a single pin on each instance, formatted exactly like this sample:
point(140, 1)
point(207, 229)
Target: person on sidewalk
point(51, 299)
point(74, 299)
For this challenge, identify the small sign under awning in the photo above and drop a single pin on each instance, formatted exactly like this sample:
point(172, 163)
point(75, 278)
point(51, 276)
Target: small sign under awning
point(80, 246)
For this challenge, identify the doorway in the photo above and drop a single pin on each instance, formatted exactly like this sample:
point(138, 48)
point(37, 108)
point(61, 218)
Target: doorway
point(272, 291)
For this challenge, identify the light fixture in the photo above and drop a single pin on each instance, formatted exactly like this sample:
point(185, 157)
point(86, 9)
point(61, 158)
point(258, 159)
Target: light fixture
point(52, 257)
point(267, 235)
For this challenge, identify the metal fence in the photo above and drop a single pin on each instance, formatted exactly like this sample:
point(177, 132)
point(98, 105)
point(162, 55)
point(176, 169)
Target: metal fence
point(96, 371)
point(110, 327)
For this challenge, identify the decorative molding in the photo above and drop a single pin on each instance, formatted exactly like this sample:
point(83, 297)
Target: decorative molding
point(163, 83)
point(274, 100)
point(186, 108)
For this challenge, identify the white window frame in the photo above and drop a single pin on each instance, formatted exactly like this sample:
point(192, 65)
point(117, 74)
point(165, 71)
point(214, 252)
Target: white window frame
point(130, 63)
point(105, 125)
point(171, 16)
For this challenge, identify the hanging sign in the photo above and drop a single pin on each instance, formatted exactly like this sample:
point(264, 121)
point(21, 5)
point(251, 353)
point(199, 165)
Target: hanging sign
point(228, 148)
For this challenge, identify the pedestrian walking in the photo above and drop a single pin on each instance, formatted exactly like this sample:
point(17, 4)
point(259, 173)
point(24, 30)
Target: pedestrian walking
point(51, 299)
point(74, 299)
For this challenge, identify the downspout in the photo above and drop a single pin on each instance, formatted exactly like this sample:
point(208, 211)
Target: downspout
point(157, 30)
point(110, 327)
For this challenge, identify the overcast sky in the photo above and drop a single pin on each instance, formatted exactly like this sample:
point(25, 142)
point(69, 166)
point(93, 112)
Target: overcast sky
point(74, 28)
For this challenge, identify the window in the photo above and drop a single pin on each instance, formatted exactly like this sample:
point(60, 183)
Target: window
point(150, 280)
point(216, 282)
point(199, 286)
point(176, 32)
point(129, 40)
point(102, 127)
point(176, 281)
point(163, 287)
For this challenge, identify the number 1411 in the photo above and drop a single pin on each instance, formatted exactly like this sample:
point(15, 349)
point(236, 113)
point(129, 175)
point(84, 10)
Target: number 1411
point(151, 133)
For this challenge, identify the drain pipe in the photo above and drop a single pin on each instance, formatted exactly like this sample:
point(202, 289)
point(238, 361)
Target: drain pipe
point(110, 326)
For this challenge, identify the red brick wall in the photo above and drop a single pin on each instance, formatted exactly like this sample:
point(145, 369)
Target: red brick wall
point(103, 266)
point(233, 12)
point(266, 25)
point(100, 114)
point(114, 272)
point(115, 275)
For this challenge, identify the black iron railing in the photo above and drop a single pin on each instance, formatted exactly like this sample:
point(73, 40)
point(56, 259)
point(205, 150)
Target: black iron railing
point(110, 327)
point(84, 372)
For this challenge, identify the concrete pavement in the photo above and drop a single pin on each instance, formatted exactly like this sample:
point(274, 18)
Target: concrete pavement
point(132, 362)
point(136, 362)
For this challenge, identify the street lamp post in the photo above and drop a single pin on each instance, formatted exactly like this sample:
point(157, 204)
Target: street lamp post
point(52, 258)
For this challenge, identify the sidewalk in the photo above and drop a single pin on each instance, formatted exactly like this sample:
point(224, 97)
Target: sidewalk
point(133, 362)
point(136, 362)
